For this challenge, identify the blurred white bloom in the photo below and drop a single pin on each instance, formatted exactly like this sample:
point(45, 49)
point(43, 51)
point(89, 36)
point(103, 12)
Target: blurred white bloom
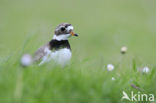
point(26, 60)
point(110, 67)
point(123, 49)
point(113, 78)
point(145, 70)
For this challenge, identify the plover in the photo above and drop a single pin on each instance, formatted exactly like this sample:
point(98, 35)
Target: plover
point(58, 49)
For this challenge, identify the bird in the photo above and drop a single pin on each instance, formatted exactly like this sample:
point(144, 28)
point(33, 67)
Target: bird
point(58, 49)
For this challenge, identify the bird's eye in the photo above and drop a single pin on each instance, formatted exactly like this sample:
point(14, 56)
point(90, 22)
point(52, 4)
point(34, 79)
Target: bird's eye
point(62, 29)
point(66, 26)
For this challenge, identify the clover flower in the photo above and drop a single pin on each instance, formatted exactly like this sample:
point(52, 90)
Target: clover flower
point(26, 60)
point(113, 78)
point(145, 70)
point(110, 67)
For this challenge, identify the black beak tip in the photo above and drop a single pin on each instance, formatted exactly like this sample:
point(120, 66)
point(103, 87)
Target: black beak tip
point(76, 35)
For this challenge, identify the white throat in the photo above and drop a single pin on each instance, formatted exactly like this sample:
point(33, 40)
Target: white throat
point(61, 37)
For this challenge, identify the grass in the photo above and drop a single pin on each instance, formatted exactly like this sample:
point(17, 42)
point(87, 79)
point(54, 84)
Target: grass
point(103, 28)
point(73, 84)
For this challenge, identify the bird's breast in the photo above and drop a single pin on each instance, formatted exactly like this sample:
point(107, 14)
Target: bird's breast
point(61, 56)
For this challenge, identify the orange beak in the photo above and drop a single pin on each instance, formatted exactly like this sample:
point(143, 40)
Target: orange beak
point(73, 34)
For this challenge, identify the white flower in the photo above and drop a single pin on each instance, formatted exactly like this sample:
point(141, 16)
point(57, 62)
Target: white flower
point(145, 70)
point(26, 60)
point(123, 49)
point(110, 67)
point(113, 78)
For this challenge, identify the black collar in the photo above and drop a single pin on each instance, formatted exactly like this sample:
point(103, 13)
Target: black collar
point(55, 44)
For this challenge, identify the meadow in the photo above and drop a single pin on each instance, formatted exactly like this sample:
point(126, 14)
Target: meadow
point(104, 26)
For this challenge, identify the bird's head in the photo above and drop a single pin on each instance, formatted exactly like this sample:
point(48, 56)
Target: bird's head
point(64, 31)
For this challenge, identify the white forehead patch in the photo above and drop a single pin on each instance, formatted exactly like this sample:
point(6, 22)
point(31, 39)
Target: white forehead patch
point(70, 28)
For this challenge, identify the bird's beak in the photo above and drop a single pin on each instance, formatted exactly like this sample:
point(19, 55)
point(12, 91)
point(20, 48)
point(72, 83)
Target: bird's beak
point(73, 34)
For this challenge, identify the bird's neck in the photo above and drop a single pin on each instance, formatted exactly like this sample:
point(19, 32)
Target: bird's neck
point(58, 44)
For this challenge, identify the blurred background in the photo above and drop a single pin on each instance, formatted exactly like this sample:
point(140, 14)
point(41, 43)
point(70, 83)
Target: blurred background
point(104, 26)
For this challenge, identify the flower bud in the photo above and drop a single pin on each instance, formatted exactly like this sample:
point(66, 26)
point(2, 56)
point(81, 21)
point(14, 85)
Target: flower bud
point(26, 60)
point(123, 50)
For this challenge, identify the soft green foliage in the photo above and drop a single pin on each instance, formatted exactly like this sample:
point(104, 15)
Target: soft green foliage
point(104, 26)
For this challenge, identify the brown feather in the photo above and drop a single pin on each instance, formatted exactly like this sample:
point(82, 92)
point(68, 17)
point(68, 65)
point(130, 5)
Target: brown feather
point(40, 53)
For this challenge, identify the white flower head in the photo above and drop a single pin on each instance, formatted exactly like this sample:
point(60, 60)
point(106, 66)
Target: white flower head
point(26, 60)
point(113, 78)
point(145, 70)
point(123, 49)
point(110, 67)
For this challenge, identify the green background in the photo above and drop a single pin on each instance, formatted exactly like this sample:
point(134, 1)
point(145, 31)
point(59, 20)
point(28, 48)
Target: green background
point(104, 26)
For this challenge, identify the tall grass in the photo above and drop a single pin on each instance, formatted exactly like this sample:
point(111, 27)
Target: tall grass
point(103, 28)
